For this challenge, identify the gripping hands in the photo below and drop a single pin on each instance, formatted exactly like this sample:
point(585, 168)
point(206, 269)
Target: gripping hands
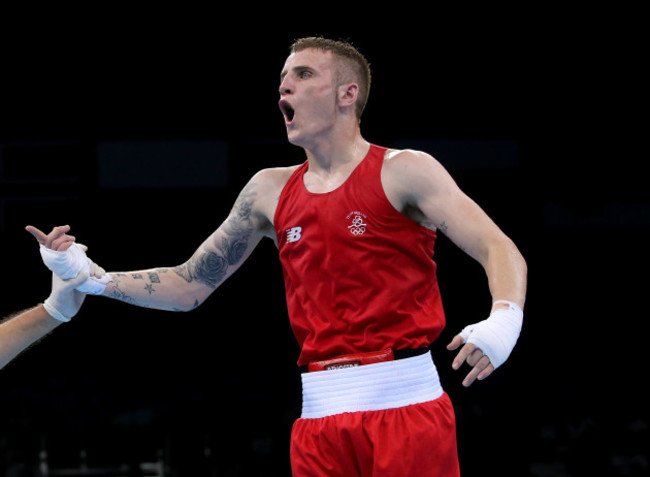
point(74, 274)
point(69, 263)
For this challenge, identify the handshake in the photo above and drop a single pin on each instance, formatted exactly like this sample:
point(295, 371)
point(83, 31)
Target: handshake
point(74, 274)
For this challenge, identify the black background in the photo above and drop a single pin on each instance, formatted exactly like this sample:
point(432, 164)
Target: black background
point(130, 385)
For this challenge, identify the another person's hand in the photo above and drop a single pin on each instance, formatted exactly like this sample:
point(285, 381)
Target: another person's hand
point(64, 301)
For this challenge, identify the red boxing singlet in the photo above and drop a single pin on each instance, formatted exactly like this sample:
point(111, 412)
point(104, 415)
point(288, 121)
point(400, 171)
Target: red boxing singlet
point(359, 275)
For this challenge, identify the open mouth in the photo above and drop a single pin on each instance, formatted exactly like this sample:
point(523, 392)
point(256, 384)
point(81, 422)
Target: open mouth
point(287, 111)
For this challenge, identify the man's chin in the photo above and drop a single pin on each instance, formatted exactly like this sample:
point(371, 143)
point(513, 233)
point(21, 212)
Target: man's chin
point(294, 138)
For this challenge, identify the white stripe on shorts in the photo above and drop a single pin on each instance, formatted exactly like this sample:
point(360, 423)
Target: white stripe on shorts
point(372, 387)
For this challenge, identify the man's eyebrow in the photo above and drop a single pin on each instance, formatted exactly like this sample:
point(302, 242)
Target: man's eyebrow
point(294, 69)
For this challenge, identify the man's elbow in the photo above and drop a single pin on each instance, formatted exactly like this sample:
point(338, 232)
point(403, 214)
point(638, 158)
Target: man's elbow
point(189, 301)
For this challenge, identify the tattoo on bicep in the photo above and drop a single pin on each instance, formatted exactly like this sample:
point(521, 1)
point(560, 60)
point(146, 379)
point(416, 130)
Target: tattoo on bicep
point(428, 225)
point(233, 249)
point(210, 267)
point(239, 226)
point(153, 277)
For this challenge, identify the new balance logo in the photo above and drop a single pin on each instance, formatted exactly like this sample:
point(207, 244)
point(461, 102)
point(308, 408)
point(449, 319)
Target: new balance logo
point(294, 234)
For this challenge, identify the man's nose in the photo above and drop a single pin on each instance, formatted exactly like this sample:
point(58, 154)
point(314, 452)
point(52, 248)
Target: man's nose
point(285, 86)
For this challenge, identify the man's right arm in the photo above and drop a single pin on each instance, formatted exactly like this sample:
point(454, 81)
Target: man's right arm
point(184, 287)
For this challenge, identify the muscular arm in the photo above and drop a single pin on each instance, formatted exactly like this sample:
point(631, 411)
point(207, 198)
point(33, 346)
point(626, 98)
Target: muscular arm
point(184, 287)
point(417, 182)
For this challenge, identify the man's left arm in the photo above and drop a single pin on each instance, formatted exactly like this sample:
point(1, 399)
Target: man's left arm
point(416, 179)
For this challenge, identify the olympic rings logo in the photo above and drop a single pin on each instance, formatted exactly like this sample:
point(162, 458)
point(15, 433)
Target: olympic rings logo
point(357, 227)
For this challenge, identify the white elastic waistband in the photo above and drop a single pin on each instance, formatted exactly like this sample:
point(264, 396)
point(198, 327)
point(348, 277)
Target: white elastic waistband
point(372, 387)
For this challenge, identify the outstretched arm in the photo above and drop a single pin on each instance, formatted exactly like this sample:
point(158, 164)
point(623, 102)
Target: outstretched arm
point(184, 287)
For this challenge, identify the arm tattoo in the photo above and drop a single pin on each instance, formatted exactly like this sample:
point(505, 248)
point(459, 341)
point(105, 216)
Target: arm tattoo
point(210, 267)
point(115, 292)
point(205, 266)
point(115, 289)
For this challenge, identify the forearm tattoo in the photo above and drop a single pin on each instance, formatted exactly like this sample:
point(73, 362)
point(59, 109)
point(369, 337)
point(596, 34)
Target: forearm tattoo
point(114, 291)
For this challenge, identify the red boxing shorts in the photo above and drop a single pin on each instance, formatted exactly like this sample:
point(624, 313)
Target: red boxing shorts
point(379, 420)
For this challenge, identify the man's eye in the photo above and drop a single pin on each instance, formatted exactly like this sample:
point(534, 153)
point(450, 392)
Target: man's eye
point(304, 74)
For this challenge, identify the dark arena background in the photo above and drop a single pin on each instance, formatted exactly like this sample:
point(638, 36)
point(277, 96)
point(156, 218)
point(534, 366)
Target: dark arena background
point(139, 131)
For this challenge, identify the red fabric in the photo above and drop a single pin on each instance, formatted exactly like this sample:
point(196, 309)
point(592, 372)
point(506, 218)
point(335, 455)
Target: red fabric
point(417, 440)
point(359, 275)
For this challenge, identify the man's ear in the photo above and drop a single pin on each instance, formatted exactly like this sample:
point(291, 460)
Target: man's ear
point(348, 94)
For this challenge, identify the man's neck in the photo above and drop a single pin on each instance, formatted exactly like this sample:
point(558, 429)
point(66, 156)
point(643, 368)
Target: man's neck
point(329, 167)
point(330, 156)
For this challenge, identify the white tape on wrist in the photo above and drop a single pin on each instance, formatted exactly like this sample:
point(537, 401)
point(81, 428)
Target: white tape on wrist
point(497, 335)
point(70, 263)
point(54, 313)
point(66, 264)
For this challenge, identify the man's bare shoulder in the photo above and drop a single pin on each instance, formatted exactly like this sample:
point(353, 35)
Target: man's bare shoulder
point(409, 165)
point(273, 179)
point(407, 174)
point(403, 156)
point(267, 185)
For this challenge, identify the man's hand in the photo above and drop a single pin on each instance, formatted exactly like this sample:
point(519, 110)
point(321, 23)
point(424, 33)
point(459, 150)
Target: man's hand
point(488, 343)
point(57, 239)
point(480, 363)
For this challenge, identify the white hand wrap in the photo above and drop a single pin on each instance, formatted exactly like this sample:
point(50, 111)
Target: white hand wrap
point(64, 302)
point(53, 311)
point(496, 336)
point(68, 264)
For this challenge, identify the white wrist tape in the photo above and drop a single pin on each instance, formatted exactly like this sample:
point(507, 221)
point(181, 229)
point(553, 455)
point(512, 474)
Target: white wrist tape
point(54, 313)
point(497, 335)
point(68, 264)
